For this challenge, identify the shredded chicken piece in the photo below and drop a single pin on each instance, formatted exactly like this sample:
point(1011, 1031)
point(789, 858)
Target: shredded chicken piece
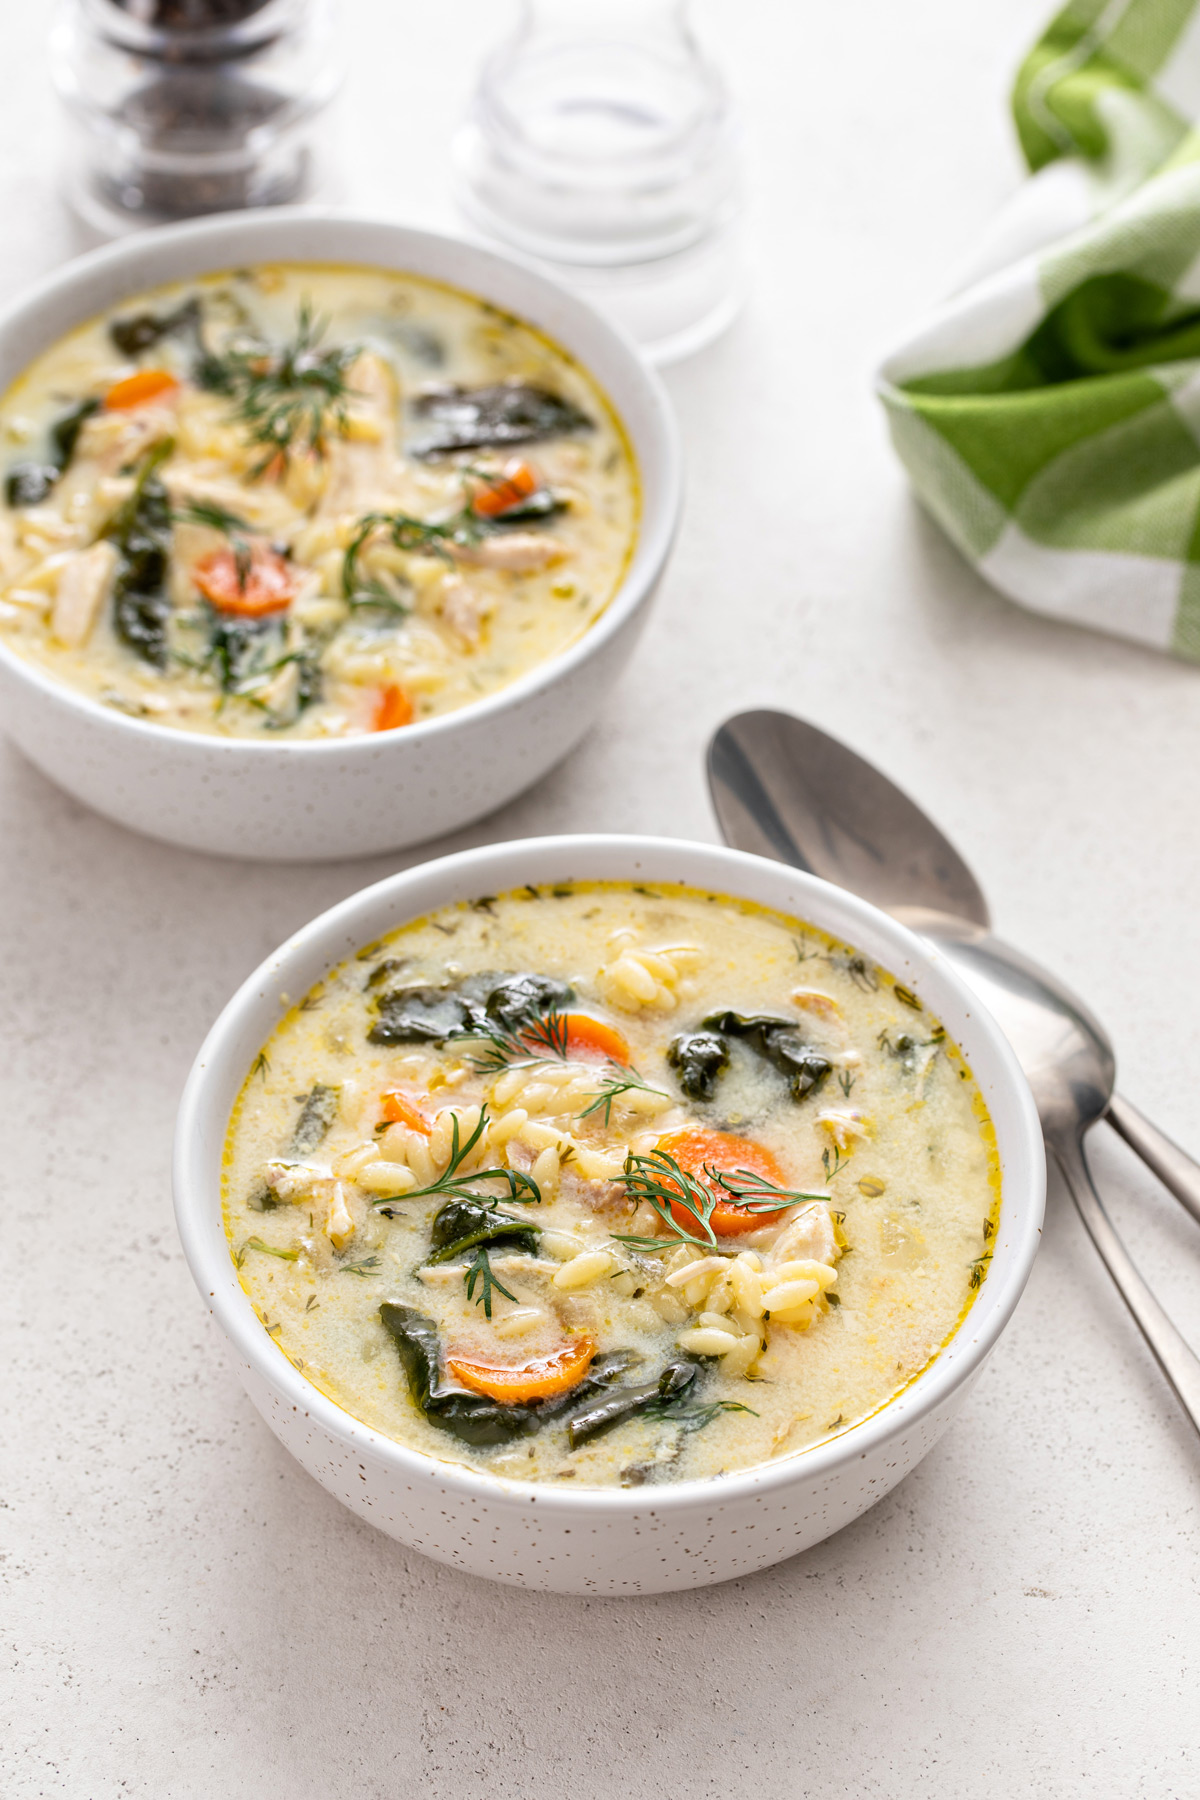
point(845, 1126)
point(262, 505)
point(84, 584)
point(291, 1181)
point(361, 464)
point(109, 440)
point(516, 552)
point(808, 1236)
point(464, 610)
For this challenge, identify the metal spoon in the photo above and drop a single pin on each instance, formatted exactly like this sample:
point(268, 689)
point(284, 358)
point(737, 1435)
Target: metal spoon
point(784, 789)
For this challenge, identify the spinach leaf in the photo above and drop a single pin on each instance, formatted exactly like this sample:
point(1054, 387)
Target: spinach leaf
point(698, 1058)
point(655, 1398)
point(64, 433)
point(468, 1008)
point(510, 412)
point(141, 331)
point(29, 483)
point(463, 1224)
point(779, 1042)
point(316, 1116)
point(141, 532)
point(519, 998)
point(474, 1418)
point(424, 1015)
point(241, 648)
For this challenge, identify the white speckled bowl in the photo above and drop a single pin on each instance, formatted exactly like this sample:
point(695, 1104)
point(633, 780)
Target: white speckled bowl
point(601, 1541)
point(288, 801)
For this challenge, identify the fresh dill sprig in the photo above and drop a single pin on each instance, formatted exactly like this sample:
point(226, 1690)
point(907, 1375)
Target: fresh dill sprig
point(372, 596)
point(421, 536)
point(211, 513)
point(541, 1039)
point(479, 1274)
point(832, 1167)
point(367, 1266)
point(230, 524)
point(686, 1203)
point(620, 1081)
point(288, 396)
point(256, 1243)
point(452, 1184)
point(480, 1226)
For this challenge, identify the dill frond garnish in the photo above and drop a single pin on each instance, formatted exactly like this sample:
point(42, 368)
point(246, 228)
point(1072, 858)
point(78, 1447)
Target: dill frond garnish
point(475, 1226)
point(423, 537)
point(479, 1274)
point(287, 396)
point(366, 1266)
point(256, 1243)
point(209, 512)
point(832, 1165)
point(686, 1203)
point(620, 1081)
point(543, 1038)
point(452, 1184)
point(230, 524)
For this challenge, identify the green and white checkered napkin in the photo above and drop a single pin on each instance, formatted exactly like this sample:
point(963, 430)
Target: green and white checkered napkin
point(1049, 414)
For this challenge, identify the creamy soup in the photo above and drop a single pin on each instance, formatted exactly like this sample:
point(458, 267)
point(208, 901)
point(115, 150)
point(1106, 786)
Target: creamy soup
point(306, 501)
point(610, 1184)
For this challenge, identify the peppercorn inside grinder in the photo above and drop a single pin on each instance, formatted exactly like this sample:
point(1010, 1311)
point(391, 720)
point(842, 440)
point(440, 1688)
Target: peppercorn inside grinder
point(177, 108)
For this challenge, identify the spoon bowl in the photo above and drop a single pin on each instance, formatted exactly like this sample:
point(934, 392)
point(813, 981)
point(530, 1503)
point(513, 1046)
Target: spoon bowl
point(783, 788)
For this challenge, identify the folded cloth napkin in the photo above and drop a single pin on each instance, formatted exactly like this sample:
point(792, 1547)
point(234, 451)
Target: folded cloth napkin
point(1049, 413)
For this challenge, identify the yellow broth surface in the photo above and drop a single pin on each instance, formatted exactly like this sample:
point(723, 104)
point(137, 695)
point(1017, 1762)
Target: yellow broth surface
point(723, 1187)
point(306, 501)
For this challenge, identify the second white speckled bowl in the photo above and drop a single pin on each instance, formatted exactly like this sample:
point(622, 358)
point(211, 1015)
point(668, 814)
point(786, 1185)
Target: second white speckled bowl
point(291, 801)
point(602, 1540)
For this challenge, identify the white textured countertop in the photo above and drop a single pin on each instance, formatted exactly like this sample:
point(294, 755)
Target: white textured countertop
point(183, 1612)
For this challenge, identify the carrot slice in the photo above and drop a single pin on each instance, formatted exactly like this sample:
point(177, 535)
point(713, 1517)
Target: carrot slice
point(139, 389)
point(694, 1147)
point(268, 585)
point(398, 1109)
point(393, 709)
point(540, 1379)
point(593, 1038)
point(515, 483)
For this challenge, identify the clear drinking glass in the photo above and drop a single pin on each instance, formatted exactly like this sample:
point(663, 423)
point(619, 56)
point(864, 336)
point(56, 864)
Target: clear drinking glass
point(182, 107)
point(602, 143)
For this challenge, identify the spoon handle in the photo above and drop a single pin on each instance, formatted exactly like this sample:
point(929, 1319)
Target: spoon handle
point(1173, 1166)
point(1176, 1358)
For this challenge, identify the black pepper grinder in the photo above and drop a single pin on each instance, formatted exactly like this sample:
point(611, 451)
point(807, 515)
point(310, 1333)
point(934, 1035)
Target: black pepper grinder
point(182, 107)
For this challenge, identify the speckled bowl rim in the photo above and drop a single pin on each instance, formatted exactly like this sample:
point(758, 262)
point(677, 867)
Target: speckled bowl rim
point(660, 507)
point(343, 929)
